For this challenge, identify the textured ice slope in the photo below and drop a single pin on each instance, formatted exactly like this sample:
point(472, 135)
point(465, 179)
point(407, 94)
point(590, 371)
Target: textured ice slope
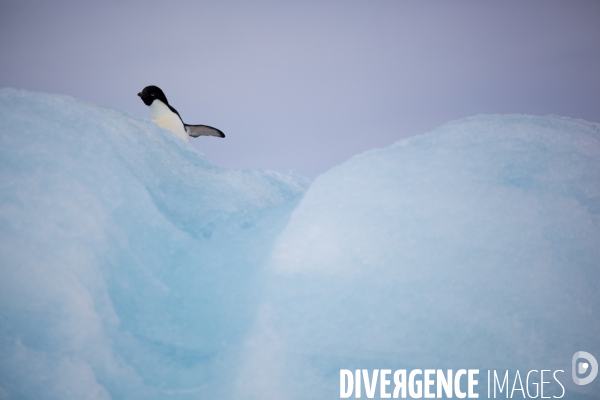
point(476, 245)
point(132, 268)
point(128, 263)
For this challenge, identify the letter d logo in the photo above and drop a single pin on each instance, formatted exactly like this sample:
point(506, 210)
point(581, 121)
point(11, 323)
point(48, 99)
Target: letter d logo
point(583, 367)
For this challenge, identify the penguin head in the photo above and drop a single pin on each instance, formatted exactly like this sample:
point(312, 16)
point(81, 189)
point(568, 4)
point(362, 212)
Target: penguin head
point(151, 93)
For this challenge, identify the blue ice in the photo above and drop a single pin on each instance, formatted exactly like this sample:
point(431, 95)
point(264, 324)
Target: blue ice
point(133, 268)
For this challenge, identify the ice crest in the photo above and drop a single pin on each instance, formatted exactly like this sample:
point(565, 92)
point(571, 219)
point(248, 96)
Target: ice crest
point(129, 262)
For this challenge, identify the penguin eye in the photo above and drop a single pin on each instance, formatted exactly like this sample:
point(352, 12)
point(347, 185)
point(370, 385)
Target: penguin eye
point(152, 94)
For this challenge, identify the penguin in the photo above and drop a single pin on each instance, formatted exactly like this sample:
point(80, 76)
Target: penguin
point(165, 116)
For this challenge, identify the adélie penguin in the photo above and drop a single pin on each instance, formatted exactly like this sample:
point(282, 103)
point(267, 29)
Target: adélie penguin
point(165, 116)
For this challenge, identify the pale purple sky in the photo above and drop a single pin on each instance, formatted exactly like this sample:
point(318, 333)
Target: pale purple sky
point(306, 85)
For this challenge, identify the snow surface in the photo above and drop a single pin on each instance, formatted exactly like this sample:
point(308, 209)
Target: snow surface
point(133, 268)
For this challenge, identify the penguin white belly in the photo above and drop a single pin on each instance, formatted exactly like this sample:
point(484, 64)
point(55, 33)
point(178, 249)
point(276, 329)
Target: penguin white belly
point(162, 116)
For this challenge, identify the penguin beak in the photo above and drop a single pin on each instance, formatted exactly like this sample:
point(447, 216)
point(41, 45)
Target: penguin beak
point(140, 94)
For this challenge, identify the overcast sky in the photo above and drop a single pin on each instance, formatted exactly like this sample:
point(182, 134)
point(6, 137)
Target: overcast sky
point(305, 85)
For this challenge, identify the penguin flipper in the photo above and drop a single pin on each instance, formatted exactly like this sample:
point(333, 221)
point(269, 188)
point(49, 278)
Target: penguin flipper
point(203, 130)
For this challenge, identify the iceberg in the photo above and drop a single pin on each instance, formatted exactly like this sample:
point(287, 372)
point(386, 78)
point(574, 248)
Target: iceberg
point(130, 263)
point(133, 268)
point(476, 245)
